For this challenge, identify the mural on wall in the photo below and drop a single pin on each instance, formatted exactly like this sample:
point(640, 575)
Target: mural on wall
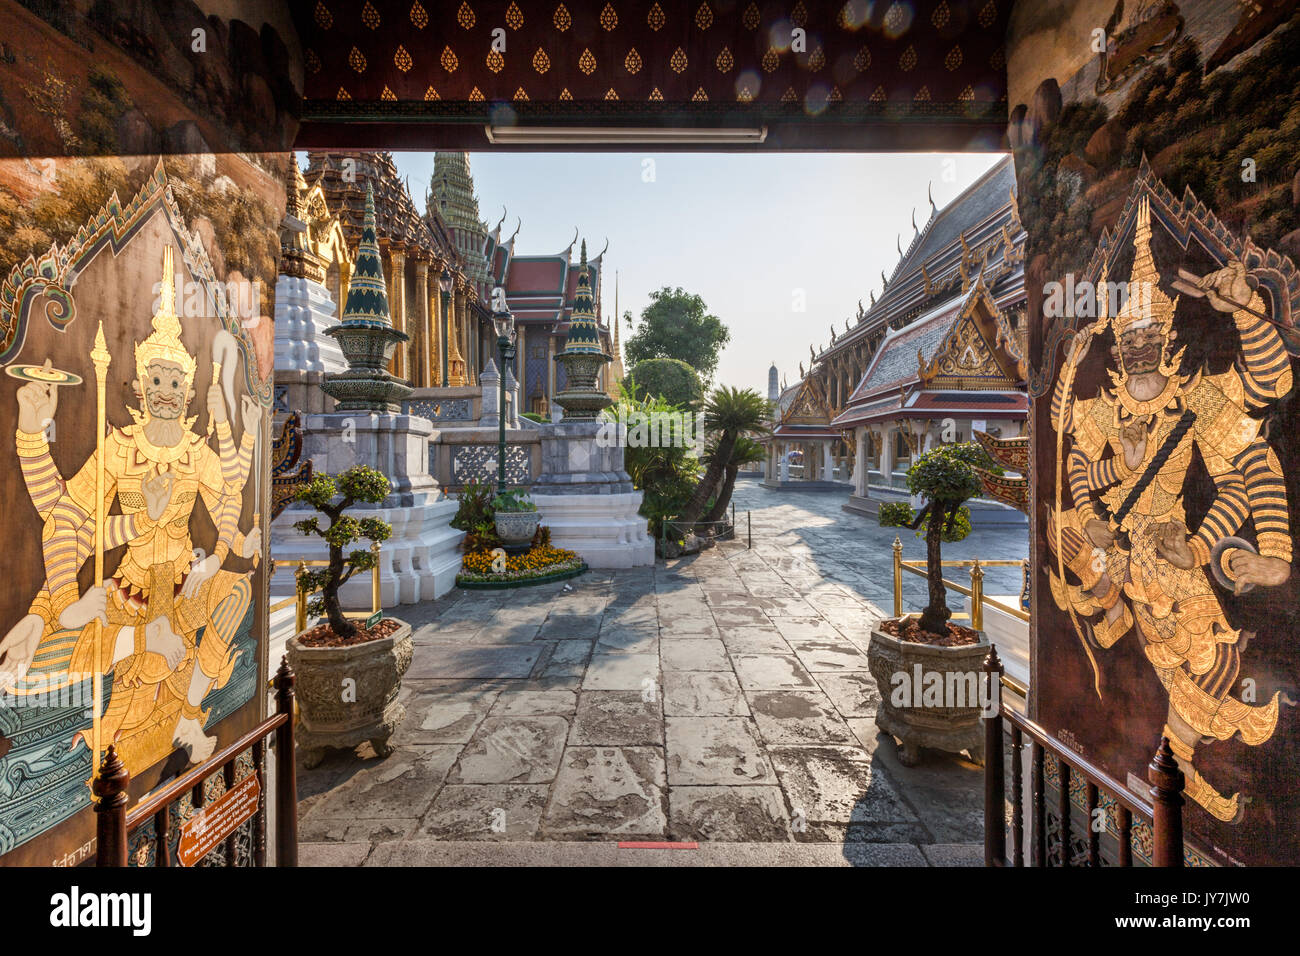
point(134, 539)
point(1159, 184)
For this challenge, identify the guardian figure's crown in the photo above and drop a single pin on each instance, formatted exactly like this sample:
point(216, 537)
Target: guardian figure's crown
point(164, 343)
point(1146, 303)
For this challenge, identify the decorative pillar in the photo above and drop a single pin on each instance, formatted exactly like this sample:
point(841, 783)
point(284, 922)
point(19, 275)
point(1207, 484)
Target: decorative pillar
point(490, 385)
point(828, 463)
point(785, 461)
point(887, 442)
point(468, 375)
point(512, 396)
point(422, 319)
point(397, 300)
point(455, 361)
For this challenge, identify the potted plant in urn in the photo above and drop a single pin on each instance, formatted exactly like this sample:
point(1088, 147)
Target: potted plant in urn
point(516, 520)
point(348, 673)
point(928, 669)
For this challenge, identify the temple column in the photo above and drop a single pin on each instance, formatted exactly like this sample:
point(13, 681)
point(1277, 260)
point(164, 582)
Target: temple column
point(785, 462)
point(422, 319)
point(887, 452)
point(828, 462)
point(550, 369)
point(455, 361)
point(397, 303)
point(462, 334)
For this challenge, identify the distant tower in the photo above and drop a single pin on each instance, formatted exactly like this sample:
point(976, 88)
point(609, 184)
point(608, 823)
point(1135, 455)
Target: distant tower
point(452, 188)
point(773, 388)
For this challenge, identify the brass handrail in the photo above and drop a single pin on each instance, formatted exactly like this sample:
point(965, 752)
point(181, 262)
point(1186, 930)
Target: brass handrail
point(975, 592)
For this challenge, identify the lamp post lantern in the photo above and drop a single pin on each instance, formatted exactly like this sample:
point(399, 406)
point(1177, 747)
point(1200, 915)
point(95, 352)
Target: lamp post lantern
point(505, 328)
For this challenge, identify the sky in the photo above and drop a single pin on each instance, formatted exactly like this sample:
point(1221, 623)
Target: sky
point(755, 235)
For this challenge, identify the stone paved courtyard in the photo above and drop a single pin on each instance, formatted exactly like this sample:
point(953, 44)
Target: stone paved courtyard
point(723, 698)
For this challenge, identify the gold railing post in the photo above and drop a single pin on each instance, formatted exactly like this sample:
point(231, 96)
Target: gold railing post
point(977, 596)
point(301, 619)
point(898, 576)
point(374, 579)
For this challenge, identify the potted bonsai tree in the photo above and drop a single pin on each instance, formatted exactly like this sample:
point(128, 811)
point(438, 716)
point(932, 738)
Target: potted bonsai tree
point(516, 519)
point(929, 670)
point(348, 674)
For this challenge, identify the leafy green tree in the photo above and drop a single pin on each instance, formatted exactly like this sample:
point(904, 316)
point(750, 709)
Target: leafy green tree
point(945, 478)
point(665, 474)
point(356, 485)
point(745, 452)
point(670, 379)
point(677, 324)
point(730, 413)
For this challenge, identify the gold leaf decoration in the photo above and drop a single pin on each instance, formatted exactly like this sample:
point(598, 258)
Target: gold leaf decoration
point(387, 94)
point(476, 95)
point(799, 15)
point(862, 61)
point(449, 61)
point(922, 95)
point(562, 20)
point(967, 95)
point(587, 62)
point(495, 61)
point(988, 14)
point(745, 94)
point(514, 16)
point(324, 20)
point(521, 96)
point(370, 16)
point(431, 94)
point(907, 62)
point(834, 96)
point(541, 62)
point(789, 96)
point(942, 14)
point(343, 94)
point(751, 18)
point(565, 94)
point(655, 18)
point(610, 94)
point(402, 59)
point(465, 16)
point(678, 60)
point(608, 17)
point(655, 95)
point(313, 62)
point(725, 61)
point(953, 59)
point(771, 60)
point(704, 17)
point(356, 60)
point(632, 62)
point(419, 15)
point(878, 96)
point(700, 96)
point(817, 59)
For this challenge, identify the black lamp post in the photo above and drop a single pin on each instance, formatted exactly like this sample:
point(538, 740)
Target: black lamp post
point(505, 327)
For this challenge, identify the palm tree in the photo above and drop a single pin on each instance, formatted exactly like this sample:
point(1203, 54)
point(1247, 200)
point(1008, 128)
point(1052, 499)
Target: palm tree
point(731, 413)
point(746, 452)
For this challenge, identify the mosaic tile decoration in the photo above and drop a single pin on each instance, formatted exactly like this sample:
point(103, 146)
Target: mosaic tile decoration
point(479, 463)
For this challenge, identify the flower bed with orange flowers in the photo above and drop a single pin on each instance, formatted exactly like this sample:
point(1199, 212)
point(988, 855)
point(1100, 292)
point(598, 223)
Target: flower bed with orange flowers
point(496, 569)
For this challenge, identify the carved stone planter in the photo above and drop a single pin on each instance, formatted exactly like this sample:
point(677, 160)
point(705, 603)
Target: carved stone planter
point(348, 695)
point(930, 696)
point(516, 528)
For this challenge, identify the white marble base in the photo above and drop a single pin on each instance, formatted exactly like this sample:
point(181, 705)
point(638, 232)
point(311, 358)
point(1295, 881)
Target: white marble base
point(605, 530)
point(418, 563)
point(303, 311)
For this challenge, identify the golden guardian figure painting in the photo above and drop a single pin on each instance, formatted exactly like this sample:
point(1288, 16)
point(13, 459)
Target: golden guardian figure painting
point(139, 632)
point(1130, 559)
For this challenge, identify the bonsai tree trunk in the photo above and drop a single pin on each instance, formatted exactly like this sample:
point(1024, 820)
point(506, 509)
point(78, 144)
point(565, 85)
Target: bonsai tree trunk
point(724, 493)
point(935, 616)
point(700, 497)
point(330, 595)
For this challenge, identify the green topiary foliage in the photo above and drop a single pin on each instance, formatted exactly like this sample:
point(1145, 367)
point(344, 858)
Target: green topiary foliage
point(895, 514)
point(954, 529)
point(671, 379)
point(359, 485)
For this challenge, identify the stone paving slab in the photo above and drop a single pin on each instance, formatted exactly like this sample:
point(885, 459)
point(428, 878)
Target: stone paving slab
point(722, 697)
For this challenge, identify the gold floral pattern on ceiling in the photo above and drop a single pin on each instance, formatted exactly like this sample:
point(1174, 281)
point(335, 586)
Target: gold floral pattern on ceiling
point(520, 96)
point(514, 16)
point(678, 60)
point(431, 94)
point(541, 62)
point(402, 59)
point(862, 60)
point(655, 19)
point(561, 19)
point(370, 16)
point(324, 19)
point(357, 60)
point(632, 62)
point(419, 15)
point(610, 94)
point(608, 18)
point(799, 15)
point(725, 61)
point(313, 62)
point(704, 17)
point(751, 18)
point(465, 16)
point(448, 60)
point(988, 15)
point(907, 62)
point(771, 60)
point(495, 61)
point(953, 60)
point(655, 95)
point(942, 14)
point(587, 62)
